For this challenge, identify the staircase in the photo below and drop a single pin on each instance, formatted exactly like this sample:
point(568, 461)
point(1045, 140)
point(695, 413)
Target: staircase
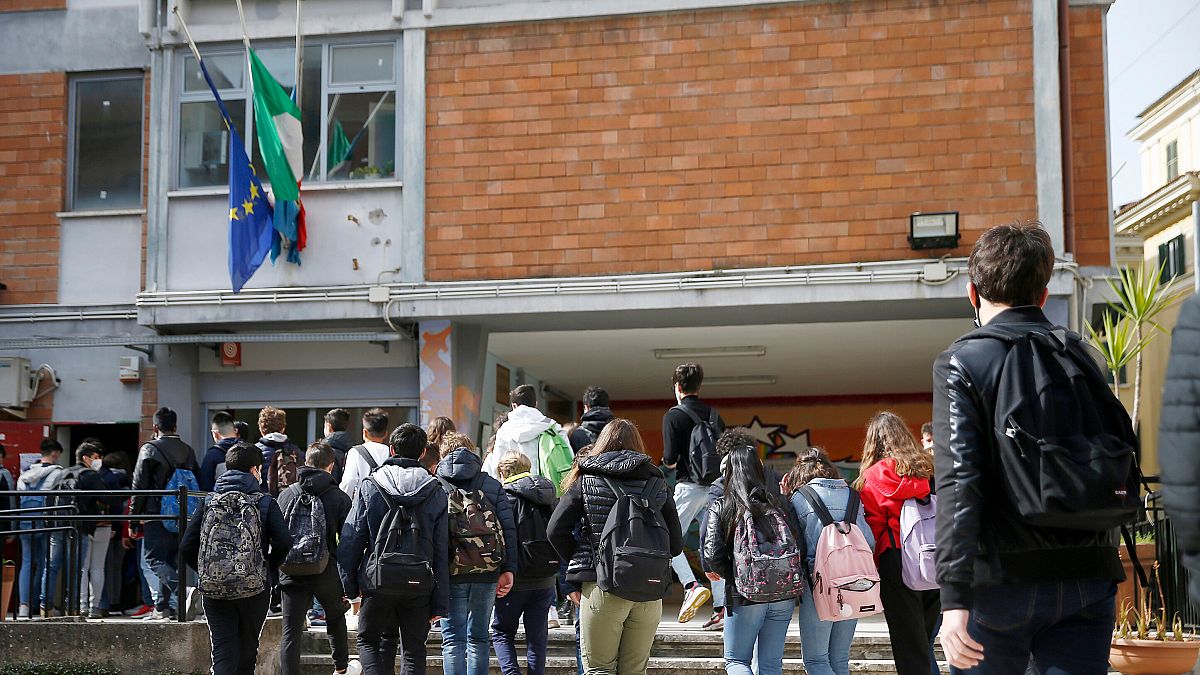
point(677, 652)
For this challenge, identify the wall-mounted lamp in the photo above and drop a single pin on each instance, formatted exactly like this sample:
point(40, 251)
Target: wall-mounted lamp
point(933, 230)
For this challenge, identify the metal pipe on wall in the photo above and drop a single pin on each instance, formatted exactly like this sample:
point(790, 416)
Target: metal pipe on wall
point(1064, 90)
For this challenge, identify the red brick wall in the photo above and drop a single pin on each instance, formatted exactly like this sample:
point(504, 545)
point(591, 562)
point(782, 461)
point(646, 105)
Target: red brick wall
point(33, 110)
point(793, 134)
point(28, 5)
point(1089, 136)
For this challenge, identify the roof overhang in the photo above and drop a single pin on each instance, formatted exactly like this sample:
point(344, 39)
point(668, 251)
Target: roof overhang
point(1160, 208)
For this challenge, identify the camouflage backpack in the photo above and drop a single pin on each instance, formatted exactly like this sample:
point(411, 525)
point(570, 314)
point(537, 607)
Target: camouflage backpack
point(231, 563)
point(476, 538)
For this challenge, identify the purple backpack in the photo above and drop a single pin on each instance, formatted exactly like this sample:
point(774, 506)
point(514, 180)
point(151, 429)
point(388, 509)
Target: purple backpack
point(767, 571)
point(918, 543)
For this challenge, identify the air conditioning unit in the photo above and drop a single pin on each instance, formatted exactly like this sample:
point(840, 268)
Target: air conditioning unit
point(16, 382)
point(131, 369)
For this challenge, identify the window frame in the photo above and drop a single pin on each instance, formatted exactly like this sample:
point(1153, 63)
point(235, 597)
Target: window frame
point(1172, 258)
point(73, 134)
point(328, 90)
point(1172, 154)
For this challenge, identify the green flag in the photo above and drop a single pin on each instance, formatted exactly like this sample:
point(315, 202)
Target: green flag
point(339, 147)
point(280, 135)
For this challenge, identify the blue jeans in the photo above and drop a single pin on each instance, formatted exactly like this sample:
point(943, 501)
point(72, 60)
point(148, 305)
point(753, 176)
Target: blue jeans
point(58, 555)
point(1066, 626)
point(764, 624)
point(532, 608)
point(34, 548)
point(465, 644)
point(825, 645)
point(161, 549)
point(578, 648)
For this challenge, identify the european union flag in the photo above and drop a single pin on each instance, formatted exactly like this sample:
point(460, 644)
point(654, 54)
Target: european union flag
point(251, 219)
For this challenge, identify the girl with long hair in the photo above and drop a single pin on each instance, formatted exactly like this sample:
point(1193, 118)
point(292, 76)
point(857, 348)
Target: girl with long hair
point(748, 623)
point(896, 469)
point(825, 645)
point(617, 632)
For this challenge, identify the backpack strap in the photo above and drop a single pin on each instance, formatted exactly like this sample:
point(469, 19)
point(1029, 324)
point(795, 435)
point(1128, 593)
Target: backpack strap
point(853, 502)
point(818, 506)
point(616, 487)
point(1133, 558)
point(690, 413)
point(366, 455)
point(651, 488)
point(713, 417)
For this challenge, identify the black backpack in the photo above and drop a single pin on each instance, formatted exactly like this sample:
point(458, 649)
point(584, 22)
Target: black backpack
point(704, 464)
point(399, 566)
point(634, 557)
point(1066, 446)
point(536, 557)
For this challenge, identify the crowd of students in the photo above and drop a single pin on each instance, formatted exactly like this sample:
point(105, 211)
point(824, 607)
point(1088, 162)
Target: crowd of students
point(418, 527)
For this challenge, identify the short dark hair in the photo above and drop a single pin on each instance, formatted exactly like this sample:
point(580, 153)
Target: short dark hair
point(1012, 264)
point(375, 421)
point(524, 394)
point(927, 428)
point(595, 397)
point(689, 377)
point(243, 457)
point(408, 441)
point(242, 429)
point(223, 421)
point(49, 446)
point(86, 449)
point(734, 438)
point(166, 419)
point(319, 455)
point(338, 419)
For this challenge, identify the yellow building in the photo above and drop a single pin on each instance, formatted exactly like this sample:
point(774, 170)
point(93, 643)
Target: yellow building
point(1164, 221)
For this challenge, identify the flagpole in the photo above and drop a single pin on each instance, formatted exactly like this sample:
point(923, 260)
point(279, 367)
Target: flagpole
point(245, 34)
point(299, 51)
point(312, 171)
point(187, 34)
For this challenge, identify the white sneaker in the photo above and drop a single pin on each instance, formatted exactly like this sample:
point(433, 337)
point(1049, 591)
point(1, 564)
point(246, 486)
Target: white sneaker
point(693, 600)
point(353, 668)
point(23, 613)
point(552, 618)
point(351, 622)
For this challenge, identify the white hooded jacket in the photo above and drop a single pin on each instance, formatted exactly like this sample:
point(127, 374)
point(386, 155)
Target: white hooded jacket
point(520, 433)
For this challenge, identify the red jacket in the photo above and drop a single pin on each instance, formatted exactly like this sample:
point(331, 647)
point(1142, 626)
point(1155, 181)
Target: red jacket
point(883, 493)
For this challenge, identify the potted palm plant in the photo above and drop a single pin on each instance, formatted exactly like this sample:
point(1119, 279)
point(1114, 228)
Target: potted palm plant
point(1146, 643)
point(6, 586)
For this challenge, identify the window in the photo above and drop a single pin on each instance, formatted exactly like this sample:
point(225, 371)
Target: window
point(1172, 161)
point(348, 104)
point(105, 163)
point(1172, 258)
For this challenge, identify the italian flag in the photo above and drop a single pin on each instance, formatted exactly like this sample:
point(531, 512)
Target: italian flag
point(280, 137)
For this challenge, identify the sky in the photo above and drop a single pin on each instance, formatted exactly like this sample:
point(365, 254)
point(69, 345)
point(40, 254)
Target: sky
point(1152, 46)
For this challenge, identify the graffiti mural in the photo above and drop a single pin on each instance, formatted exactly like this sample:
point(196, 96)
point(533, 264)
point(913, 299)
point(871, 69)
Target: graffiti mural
point(437, 398)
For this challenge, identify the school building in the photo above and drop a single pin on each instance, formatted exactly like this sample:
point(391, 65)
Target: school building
point(548, 191)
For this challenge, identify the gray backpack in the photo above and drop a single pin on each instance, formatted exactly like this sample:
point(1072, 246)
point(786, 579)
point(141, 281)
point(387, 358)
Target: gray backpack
point(231, 563)
point(305, 518)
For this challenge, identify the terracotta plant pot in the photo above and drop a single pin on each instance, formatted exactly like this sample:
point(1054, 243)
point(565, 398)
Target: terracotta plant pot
point(6, 586)
point(1146, 555)
point(1153, 657)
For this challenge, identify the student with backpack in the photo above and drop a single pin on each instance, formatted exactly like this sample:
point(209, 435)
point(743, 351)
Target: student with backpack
point(281, 458)
point(629, 533)
point(337, 436)
point(314, 511)
point(750, 541)
point(234, 538)
point(483, 554)
point(533, 592)
point(1036, 470)
point(164, 463)
point(530, 432)
point(690, 432)
point(394, 554)
point(894, 483)
point(224, 437)
point(825, 642)
point(362, 460)
point(44, 474)
point(85, 475)
point(596, 414)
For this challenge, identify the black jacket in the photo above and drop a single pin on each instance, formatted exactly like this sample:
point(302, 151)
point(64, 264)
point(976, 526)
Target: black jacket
point(971, 492)
point(276, 540)
point(335, 503)
point(528, 493)
point(155, 463)
point(677, 434)
point(463, 468)
point(411, 486)
point(87, 478)
point(588, 501)
point(716, 546)
point(717, 490)
point(341, 442)
point(593, 421)
point(1179, 440)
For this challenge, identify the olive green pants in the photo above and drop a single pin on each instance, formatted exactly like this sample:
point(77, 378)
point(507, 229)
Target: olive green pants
point(616, 634)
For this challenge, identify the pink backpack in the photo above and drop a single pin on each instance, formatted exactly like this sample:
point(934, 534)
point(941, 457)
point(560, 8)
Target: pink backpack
point(845, 581)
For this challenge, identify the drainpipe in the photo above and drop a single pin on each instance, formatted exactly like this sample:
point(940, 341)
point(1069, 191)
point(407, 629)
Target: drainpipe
point(1196, 240)
point(1064, 91)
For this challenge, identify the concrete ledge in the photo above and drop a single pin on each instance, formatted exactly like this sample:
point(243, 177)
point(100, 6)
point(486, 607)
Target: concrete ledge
point(136, 647)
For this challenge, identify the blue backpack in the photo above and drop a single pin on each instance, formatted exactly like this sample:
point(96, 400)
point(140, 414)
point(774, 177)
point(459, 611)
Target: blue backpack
point(36, 502)
point(170, 504)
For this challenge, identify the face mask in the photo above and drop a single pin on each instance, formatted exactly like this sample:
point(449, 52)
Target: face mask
point(96, 464)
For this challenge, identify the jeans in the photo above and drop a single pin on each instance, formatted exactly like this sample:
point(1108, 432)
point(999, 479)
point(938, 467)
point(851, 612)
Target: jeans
point(825, 645)
point(34, 548)
point(1066, 626)
point(234, 627)
point(910, 615)
point(690, 500)
point(297, 599)
point(114, 564)
point(531, 607)
point(578, 646)
point(385, 624)
point(95, 554)
point(765, 625)
point(465, 633)
point(50, 577)
point(151, 586)
point(933, 664)
point(617, 633)
point(162, 549)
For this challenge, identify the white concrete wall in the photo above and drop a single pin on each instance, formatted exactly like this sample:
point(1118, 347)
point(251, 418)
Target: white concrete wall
point(100, 260)
point(1183, 128)
point(264, 356)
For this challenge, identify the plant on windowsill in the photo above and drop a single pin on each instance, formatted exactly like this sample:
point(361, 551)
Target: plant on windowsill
point(1144, 643)
point(363, 172)
point(6, 586)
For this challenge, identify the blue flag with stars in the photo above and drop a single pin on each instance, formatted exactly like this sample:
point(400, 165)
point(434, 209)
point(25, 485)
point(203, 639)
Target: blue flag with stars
point(251, 220)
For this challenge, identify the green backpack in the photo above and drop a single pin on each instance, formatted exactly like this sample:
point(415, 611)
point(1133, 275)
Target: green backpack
point(555, 457)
